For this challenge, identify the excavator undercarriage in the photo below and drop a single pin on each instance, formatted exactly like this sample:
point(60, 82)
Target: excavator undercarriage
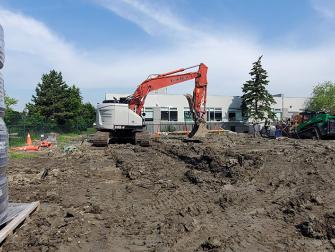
point(138, 137)
point(101, 139)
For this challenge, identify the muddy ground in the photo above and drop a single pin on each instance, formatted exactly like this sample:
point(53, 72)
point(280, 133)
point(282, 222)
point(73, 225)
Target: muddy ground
point(229, 193)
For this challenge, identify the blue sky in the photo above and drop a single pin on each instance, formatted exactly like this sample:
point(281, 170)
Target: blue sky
point(113, 45)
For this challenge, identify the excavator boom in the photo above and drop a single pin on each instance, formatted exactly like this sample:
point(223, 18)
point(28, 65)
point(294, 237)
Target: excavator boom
point(197, 102)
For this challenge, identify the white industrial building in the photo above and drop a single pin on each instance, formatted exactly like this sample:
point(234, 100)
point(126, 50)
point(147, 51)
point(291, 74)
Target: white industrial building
point(222, 111)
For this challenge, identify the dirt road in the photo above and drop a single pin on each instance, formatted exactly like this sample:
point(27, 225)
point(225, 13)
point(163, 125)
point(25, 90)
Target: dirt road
point(230, 193)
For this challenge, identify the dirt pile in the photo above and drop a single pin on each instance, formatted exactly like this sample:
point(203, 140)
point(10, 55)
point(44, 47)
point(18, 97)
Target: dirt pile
point(230, 193)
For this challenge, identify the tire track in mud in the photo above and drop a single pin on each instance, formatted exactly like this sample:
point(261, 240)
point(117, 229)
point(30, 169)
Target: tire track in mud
point(183, 208)
point(195, 204)
point(171, 211)
point(168, 192)
point(267, 156)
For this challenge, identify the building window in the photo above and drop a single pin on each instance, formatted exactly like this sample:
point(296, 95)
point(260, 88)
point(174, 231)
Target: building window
point(149, 114)
point(165, 114)
point(187, 115)
point(234, 115)
point(173, 114)
point(231, 116)
point(214, 114)
point(278, 113)
point(169, 114)
point(218, 114)
point(210, 114)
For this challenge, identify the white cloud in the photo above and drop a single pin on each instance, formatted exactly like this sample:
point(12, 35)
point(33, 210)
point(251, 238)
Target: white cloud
point(33, 49)
point(326, 8)
point(151, 16)
point(229, 55)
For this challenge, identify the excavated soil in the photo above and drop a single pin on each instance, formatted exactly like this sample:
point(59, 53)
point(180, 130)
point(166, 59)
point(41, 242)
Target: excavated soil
point(228, 193)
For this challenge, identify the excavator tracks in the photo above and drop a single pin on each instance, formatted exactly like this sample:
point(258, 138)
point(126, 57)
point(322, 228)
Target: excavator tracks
point(100, 139)
point(142, 138)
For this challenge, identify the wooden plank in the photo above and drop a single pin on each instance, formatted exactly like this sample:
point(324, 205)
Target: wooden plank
point(10, 226)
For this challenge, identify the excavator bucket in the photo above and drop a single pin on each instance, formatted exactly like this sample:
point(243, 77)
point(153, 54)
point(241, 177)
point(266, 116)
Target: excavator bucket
point(199, 129)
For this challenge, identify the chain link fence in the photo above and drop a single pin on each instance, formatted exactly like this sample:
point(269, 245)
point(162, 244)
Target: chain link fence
point(18, 133)
point(239, 127)
point(178, 126)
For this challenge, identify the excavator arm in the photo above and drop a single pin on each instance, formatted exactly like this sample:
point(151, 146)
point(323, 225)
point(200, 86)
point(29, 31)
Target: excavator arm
point(197, 102)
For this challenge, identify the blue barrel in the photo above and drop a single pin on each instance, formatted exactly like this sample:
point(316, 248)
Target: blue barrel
point(2, 47)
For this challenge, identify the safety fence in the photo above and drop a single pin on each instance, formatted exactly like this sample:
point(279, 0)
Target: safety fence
point(237, 126)
point(18, 133)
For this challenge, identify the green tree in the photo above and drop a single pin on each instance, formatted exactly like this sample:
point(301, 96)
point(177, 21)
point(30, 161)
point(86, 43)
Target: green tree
point(12, 117)
point(323, 98)
point(256, 100)
point(10, 102)
point(55, 103)
point(87, 116)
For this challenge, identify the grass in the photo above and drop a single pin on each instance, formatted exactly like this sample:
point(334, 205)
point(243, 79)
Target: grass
point(67, 137)
point(62, 139)
point(22, 155)
point(89, 131)
point(15, 142)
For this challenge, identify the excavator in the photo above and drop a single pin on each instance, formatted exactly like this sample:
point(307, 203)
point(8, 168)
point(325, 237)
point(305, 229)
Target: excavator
point(122, 119)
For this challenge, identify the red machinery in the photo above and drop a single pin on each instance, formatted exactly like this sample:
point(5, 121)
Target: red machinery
point(122, 118)
point(171, 78)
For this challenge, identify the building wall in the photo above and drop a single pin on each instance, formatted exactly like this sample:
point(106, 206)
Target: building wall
point(228, 106)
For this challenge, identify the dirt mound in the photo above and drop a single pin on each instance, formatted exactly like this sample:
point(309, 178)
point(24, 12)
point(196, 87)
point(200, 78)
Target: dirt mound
point(230, 192)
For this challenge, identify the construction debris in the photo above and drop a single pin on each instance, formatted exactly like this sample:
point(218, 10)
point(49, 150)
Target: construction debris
point(70, 149)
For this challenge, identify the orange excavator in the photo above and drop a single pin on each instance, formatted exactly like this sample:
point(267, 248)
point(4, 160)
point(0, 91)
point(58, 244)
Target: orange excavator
point(122, 118)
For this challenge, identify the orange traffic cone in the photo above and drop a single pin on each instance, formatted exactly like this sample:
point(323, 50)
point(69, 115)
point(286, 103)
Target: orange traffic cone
point(29, 142)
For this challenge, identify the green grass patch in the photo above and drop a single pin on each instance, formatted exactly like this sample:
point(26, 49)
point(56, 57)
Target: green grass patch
point(89, 131)
point(15, 142)
point(20, 140)
point(22, 155)
point(68, 137)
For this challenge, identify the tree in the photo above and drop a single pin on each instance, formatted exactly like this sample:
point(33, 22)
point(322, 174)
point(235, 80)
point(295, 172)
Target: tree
point(55, 103)
point(58, 106)
point(323, 98)
point(10, 102)
point(256, 100)
point(87, 117)
point(12, 117)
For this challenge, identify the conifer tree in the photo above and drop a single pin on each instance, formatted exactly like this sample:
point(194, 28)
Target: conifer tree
point(256, 100)
point(60, 105)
